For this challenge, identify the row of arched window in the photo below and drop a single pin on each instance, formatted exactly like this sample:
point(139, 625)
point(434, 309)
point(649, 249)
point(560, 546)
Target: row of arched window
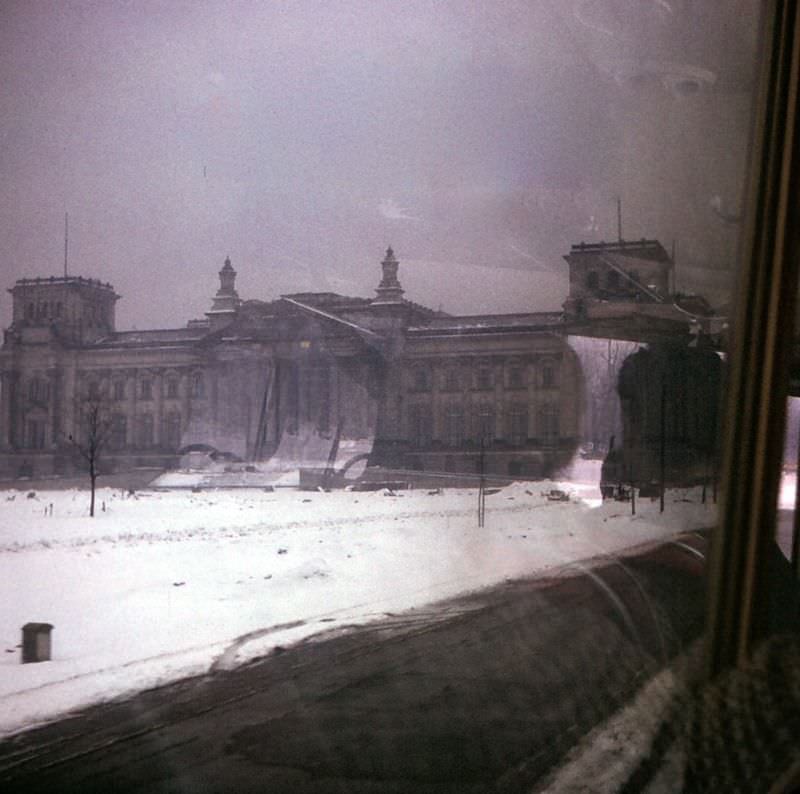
point(483, 424)
point(44, 310)
point(49, 311)
point(118, 388)
point(143, 435)
point(120, 435)
point(38, 390)
point(484, 377)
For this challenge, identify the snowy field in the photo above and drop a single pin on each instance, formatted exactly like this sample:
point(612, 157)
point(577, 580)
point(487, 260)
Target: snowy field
point(161, 585)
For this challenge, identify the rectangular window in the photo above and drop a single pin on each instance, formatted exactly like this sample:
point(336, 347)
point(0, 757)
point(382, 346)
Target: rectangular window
point(516, 377)
point(38, 391)
point(421, 422)
point(483, 378)
point(119, 390)
point(144, 435)
point(198, 385)
point(119, 431)
point(145, 389)
point(421, 379)
point(36, 434)
point(518, 425)
point(172, 388)
point(485, 424)
point(451, 380)
point(549, 425)
point(172, 430)
point(454, 425)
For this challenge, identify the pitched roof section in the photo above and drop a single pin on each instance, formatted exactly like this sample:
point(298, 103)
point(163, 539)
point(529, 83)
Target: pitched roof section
point(373, 321)
point(369, 337)
point(328, 316)
point(152, 338)
point(267, 313)
point(489, 324)
point(329, 301)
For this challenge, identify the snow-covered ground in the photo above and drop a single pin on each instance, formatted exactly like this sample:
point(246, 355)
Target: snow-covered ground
point(161, 585)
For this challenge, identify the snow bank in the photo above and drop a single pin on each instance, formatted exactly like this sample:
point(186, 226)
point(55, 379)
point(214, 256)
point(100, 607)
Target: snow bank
point(161, 585)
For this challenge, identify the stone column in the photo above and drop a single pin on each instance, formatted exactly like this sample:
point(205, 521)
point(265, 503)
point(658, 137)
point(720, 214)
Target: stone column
point(8, 380)
point(158, 396)
point(213, 374)
point(395, 393)
point(271, 420)
point(530, 396)
point(498, 398)
point(334, 397)
point(434, 398)
point(69, 381)
point(302, 393)
point(278, 406)
point(185, 387)
point(260, 383)
point(131, 383)
point(534, 401)
point(54, 387)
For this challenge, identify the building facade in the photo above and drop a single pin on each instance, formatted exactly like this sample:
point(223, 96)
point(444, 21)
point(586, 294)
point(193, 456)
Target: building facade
point(624, 290)
point(669, 390)
point(304, 379)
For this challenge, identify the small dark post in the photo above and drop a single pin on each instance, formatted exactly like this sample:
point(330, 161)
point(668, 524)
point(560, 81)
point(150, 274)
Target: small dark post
point(482, 489)
point(66, 242)
point(710, 473)
point(662, 450)
point(795, 558)
point(631, 445)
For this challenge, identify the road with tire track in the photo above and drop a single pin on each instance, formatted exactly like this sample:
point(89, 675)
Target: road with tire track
point(486, 692)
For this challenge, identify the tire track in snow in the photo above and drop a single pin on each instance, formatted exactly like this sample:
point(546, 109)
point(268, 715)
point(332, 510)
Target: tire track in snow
point(227, 659)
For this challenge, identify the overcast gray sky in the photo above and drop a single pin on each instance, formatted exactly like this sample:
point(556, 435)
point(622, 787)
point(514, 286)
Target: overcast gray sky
point(480, 139)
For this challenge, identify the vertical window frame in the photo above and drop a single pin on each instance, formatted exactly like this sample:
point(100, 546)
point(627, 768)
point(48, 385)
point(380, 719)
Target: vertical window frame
point(760, 357)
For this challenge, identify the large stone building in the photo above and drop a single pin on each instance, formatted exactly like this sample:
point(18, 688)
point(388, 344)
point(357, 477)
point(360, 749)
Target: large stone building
point(303, 379)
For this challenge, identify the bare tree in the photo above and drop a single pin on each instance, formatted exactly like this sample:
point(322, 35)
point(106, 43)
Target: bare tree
point(93, 437)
